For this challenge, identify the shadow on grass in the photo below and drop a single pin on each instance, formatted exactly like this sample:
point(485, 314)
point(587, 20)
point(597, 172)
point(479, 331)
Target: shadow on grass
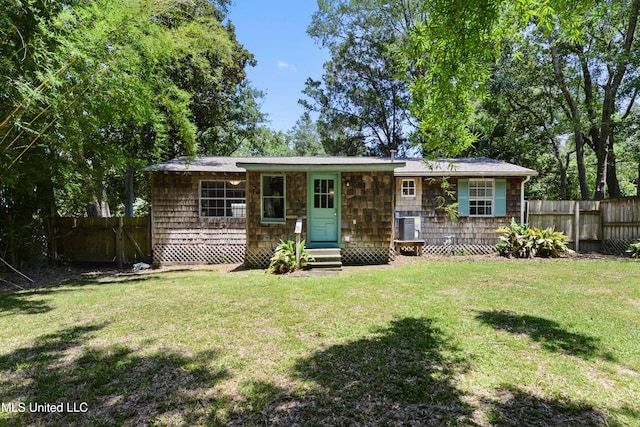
point(33, 301)
point(402, 376)
point(118, 384)
point(26, 301)
point(515, 407)
point(21, 303)
point(548, 333)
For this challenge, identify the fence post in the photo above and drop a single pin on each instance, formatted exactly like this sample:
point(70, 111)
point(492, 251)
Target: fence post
point(577, 225)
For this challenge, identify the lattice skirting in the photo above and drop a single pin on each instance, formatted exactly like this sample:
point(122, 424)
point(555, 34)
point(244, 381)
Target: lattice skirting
point(366, 256)
point(198, 254)
point(258, 258)
point(615, 246)
point(458, 250)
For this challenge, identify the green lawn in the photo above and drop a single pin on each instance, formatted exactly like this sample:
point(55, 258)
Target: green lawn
point(453, 342)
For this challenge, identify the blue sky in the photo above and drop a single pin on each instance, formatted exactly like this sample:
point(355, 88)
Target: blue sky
point(275, 32)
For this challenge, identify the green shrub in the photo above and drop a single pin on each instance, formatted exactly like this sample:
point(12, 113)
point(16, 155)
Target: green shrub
point(520, 241)
point(284, 259)
point(634, 249)
point(516, 241)
point(549, 243)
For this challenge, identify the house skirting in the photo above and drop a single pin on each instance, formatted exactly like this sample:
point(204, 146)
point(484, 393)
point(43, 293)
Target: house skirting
point(465, 249)
point(198, 254)
point(260, 257)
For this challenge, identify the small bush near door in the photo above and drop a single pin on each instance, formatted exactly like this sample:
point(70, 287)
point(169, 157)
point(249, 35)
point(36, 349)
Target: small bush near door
point(284, 258)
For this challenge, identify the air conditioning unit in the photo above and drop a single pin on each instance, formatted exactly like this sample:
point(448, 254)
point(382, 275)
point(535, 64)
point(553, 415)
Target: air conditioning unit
point(409, 228)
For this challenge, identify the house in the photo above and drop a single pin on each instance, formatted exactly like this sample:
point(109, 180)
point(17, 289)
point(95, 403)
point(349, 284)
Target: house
point(236, 209)
point(488, 193)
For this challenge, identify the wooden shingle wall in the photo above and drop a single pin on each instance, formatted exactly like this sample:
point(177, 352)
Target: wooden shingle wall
point(366, 226)
point(180, 235)
point(409, 203)
point(367, 217)
point(438, 229)
point(262, 238)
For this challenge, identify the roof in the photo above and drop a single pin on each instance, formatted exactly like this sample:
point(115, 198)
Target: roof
point(469, 166)
point(199, 164)
point(478, 166)
point(333, 164)
point(241, 164)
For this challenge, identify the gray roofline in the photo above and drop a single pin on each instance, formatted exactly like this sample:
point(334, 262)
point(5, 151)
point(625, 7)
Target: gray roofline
point(463, 173)
point(472, 167)
point(326, 167)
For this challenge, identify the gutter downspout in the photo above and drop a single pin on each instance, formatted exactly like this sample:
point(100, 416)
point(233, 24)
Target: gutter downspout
point(526, 179)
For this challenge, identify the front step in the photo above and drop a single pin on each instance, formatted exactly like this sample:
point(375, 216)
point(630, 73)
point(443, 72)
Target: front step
point(330, 259)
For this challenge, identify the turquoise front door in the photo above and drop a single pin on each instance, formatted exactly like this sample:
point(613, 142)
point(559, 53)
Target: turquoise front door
point(324, 209)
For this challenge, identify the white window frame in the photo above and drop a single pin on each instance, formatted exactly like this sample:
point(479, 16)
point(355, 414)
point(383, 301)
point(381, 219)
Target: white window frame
point(479, 200)
point(411, 188)
point(282, 197)
point(228, 200)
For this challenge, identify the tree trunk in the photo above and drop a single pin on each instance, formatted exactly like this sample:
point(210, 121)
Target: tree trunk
point(638, 181)
point(601, 174)
point(99, 208)
point(128, 210)
point(574, 116)
point(613, 185)
point(582, 169)
point(93, 208)
point(49, 211)
point(561, 167)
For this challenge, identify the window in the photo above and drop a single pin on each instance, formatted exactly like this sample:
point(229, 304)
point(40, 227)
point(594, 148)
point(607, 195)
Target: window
point(408, 188)
point(273, 200)
point(480, 197)
point(323, 193)
point(223, 199)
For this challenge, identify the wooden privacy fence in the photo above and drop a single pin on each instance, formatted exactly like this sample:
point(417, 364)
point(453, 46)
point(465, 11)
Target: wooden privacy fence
point(119, 240)
point(606, 226)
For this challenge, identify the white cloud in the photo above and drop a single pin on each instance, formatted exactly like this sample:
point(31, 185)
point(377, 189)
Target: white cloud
point(283, 64)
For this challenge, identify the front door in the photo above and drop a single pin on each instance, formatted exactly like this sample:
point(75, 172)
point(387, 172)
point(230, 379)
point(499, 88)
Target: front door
point(324, 209)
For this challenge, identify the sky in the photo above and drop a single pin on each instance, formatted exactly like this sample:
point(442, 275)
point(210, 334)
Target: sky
point(275, 32)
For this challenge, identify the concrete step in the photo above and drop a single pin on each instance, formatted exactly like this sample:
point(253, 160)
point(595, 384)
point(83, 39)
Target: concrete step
point(326, 258)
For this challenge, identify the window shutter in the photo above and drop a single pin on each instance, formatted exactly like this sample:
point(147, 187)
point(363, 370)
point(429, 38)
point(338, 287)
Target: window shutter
point(501, 197)
point(463, 197)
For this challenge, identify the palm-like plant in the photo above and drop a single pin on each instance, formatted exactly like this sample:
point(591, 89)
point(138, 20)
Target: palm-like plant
point(284, 258)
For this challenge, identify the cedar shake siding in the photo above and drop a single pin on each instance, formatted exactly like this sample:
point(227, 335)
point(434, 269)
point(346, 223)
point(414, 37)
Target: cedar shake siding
point(367, 218)
point(212, 210)
point(180, 234)
point(366, 224)
point(472, 233)
point(263, 237)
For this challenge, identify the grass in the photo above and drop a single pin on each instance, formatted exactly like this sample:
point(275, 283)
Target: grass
point(429, 343)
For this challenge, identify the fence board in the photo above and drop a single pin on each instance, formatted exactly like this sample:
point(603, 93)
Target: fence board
point(119, 240)
point(607, 225)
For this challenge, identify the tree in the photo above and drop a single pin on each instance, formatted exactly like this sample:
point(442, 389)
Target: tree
point(93, 89)
point(359, 89)
point(267, 142)
point(522, 119)
point(305, 140)
point(590, 45)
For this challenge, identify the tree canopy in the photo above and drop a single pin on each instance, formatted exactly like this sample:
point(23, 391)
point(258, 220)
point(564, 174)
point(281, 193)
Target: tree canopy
point(91, 89)
point(362, 106)
point(587, 52)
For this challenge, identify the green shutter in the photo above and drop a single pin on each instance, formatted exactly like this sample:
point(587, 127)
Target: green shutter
point(463, 197)
point(501, 198)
